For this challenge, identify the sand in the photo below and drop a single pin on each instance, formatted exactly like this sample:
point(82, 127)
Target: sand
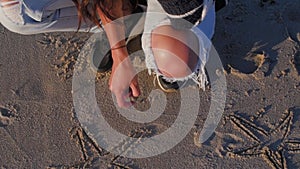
point(259, 45)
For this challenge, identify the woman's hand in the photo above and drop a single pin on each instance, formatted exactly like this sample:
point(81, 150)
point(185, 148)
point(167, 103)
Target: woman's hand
point(123, 82)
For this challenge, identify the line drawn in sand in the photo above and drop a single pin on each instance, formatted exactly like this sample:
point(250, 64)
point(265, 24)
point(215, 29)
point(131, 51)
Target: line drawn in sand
point(273, 144)
point(93, 156)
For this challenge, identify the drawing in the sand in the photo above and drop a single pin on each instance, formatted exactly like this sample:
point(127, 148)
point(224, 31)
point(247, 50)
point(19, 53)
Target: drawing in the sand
point(272, 144)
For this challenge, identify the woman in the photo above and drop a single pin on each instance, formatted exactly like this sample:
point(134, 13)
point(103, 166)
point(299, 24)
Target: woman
point(162, 51)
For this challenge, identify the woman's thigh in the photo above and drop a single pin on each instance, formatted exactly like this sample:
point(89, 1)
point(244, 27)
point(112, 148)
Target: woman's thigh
point(41, 16)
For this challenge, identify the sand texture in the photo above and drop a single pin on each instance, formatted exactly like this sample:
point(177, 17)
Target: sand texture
point(259, 45)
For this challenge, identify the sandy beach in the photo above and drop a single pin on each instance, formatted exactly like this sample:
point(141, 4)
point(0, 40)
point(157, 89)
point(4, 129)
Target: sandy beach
point(259, 45)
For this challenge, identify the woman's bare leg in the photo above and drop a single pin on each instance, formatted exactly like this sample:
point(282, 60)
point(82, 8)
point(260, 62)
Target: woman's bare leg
point(172, 53)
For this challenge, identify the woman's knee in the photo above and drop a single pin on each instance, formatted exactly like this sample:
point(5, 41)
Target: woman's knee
point(171, 66)
point(173, 56)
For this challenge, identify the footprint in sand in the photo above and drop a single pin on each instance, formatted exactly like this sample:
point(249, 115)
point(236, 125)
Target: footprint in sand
point(254, 62)
point(296, 62)
point(6, 117)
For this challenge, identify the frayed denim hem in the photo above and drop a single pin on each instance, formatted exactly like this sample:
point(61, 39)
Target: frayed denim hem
point(198, 76)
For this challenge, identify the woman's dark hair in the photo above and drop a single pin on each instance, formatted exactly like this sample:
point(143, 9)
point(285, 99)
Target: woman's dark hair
point(87, 9)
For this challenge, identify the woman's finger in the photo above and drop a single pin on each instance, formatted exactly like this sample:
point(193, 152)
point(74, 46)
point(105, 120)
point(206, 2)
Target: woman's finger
point(135, 90)
point(122, 101)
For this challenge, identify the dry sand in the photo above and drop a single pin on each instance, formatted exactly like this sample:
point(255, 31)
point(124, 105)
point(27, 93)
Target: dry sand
point(259, 44)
